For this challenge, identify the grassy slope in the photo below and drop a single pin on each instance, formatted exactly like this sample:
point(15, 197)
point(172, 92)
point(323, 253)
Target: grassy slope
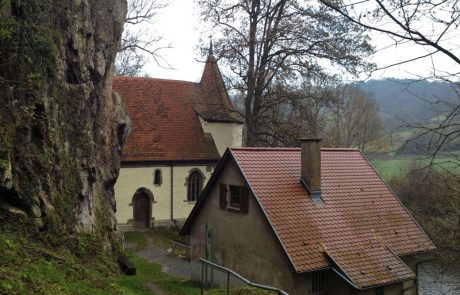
point(31, 264)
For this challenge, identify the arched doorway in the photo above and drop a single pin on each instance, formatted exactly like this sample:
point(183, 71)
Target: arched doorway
point(142, 208)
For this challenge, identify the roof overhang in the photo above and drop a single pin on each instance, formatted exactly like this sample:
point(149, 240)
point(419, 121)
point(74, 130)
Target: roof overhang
point(125, 163)
point(355, 281)
point(224, 121)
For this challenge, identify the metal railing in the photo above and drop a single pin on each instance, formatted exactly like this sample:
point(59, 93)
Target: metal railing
point(180, 250)
point(230, 272)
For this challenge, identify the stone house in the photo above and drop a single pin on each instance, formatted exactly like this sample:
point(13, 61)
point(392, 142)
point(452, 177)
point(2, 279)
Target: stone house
point(308, 221)
point(179, 132)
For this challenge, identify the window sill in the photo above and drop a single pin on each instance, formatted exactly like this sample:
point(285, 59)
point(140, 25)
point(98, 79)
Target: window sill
point(236, 209)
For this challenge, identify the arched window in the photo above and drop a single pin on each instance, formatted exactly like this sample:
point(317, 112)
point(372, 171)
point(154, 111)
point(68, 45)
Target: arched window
point(194, 186)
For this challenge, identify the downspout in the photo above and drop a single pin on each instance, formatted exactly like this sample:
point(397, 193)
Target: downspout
point(172, 192)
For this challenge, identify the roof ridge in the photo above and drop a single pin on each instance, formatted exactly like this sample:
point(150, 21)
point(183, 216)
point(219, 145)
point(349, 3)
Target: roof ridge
point(154, 79)
point(264, 148)
point(340, 149)
point(291, 149)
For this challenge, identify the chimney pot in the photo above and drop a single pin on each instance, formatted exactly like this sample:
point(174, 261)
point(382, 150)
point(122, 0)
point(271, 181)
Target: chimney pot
point(310, 175)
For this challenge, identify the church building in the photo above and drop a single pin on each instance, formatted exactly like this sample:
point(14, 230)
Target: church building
point(179, 132)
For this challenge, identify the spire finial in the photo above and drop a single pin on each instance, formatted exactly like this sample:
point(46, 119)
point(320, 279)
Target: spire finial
point(210, 45)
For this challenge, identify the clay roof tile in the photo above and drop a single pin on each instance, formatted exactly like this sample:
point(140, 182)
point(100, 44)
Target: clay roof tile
point(165, 126)
point(362, 228)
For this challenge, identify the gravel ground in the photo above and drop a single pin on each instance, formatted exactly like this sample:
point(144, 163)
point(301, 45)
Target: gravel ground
point(171, 265)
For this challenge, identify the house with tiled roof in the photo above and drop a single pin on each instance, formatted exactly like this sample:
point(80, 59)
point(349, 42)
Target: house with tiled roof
point(307, 221)
point(179, 132)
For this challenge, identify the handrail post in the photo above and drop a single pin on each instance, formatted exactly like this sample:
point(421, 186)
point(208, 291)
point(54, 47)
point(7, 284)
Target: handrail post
point(228, 283)
point(202, 277)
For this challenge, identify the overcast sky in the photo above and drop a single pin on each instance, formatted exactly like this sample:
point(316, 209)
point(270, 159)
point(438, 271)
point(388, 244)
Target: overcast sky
point(179, 23)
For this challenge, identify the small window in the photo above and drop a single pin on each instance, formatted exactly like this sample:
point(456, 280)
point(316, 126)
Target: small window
point(318, 283)
point(157, 179)
point(194, 186)
point(238, 198)
point(235, 196)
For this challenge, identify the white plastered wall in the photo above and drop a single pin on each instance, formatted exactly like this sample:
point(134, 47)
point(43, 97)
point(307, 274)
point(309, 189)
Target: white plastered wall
point(133, 178)
point(224, 134)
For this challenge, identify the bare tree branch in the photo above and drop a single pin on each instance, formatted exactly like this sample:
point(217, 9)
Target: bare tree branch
point(264, 42)
point(139, 42)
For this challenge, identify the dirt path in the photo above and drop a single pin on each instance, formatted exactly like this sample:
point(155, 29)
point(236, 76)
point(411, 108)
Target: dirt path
point(171, 265)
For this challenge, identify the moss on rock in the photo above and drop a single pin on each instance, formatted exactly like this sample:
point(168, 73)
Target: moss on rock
point(58, 113)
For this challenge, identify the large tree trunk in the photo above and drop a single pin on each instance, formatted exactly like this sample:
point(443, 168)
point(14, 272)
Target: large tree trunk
point(250, 118)
point(62, 126)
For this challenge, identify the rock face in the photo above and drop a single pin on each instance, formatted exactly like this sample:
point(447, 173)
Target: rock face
point(62, 127)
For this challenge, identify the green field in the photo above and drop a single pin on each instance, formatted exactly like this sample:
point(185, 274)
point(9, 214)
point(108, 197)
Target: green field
point(394, 167)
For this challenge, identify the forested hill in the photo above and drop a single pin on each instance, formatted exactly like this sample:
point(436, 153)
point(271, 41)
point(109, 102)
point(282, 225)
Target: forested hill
point(408, 100)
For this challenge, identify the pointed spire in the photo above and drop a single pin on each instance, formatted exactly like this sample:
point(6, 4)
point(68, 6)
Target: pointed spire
point(210, 45)
point(211, 57)
point(214, 102)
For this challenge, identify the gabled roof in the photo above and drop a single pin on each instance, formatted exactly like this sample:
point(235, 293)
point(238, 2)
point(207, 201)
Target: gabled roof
point(361, 230)
point(164, 115)
point(165, 126)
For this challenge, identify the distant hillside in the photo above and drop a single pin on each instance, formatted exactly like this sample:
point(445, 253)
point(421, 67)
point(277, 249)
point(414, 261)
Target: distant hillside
point(403, 101)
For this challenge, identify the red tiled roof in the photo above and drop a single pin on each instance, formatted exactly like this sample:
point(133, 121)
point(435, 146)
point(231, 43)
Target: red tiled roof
point(214, 104)
point(165, 125)
point(362, 228)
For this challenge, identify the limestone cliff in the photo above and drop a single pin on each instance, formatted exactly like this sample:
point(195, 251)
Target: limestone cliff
point(61, 126)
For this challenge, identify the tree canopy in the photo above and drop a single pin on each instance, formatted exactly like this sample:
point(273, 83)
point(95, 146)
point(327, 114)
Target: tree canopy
point(268, 42)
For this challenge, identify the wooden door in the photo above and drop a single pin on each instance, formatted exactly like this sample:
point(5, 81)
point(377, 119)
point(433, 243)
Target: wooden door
point(142, 211)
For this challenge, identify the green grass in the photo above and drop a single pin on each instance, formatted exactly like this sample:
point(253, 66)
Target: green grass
point(151, 272)
point(33, 262)
point(162, 236)
point(29, 265)
point(393, 167)
point(138, 239)
point(390, 168)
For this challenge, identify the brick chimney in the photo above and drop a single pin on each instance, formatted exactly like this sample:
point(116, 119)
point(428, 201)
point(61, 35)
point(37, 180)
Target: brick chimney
point(310, 175)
